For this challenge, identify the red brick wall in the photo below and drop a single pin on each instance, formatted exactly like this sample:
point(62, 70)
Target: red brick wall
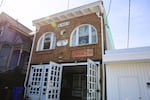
point(66, 51)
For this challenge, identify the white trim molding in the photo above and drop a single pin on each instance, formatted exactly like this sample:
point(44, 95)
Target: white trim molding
point(71, 13)
point(127, 55)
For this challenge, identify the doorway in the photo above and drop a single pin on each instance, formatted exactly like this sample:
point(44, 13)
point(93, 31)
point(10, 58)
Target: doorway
point(74, 83)
point(68, 81)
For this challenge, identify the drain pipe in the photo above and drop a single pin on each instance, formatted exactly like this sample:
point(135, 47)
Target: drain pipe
point(28, 68)
point(102, 48)
point(103, 66)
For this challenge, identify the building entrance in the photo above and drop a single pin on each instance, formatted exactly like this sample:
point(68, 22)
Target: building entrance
point(71, 81)
point(74, 83)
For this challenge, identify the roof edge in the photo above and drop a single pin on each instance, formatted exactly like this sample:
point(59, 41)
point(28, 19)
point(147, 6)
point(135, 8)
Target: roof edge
point(127, 55)
point(59, 14)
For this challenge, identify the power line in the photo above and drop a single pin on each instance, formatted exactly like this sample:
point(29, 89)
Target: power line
point(109, 7)
point(129, 24)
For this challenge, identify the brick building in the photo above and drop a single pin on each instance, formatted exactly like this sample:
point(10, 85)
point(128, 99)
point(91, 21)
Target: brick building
point(66, 57)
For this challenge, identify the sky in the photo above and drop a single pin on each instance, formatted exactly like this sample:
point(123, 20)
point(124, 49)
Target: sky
point(25, 11)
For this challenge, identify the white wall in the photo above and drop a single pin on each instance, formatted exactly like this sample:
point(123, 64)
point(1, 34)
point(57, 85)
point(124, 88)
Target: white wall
point(141, 70)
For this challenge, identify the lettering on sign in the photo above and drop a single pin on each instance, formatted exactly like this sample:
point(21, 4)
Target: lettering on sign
point(82, 53)
point(63, 24)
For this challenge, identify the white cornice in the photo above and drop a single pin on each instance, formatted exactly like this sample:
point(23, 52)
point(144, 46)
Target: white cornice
point(128, 55)
point(69, 14)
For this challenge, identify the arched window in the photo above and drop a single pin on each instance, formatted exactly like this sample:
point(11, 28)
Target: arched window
point(83, 35)
point(46, 42)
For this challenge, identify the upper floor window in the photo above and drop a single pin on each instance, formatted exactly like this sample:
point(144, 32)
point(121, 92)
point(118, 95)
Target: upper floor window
point(83, 35)
point(46, 42)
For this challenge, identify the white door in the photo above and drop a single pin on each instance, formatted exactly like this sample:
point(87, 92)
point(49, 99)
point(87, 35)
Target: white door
point(54, 82)
point(35, 82)
point(44, 82)
point(129, 88)
point(93, 88)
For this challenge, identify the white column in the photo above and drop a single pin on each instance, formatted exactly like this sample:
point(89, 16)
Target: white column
point(20, 54)
point(10, 56)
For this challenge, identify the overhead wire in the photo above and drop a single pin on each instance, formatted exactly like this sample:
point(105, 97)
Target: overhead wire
point(109, 8)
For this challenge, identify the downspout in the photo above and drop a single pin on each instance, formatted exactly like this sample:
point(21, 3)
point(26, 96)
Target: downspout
point(28, 68)
point(102, 49)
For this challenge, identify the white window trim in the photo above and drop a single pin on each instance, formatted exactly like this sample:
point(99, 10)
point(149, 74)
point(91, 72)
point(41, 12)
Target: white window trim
point(42, 38)
point(77, 35)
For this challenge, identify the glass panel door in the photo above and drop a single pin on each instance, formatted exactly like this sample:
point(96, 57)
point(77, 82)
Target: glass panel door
point(54, 81)
point(92, 81)
point(35, 82)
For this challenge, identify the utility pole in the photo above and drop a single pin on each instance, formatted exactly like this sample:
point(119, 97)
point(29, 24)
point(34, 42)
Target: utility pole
point(1, 3)
point(68, 4)
point(128, 39)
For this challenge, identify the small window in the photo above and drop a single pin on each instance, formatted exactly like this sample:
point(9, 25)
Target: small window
point(46, 42)
point(83, 35)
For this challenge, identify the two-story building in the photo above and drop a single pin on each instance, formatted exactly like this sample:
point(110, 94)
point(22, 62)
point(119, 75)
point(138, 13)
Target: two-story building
point(66, 56)
point(15, 43)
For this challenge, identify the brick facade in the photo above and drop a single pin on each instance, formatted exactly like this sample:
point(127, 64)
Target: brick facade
point(64, 53)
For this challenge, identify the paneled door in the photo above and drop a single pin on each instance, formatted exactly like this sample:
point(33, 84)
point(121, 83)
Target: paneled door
point(44, 82)
point(93, 88)
point(54, 82)
point(35, 82)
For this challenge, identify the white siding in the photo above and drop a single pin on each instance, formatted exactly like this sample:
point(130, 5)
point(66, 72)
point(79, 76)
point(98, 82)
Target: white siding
point(141, 70)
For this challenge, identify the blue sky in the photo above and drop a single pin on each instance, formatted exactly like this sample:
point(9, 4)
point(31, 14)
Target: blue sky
point(28, 10)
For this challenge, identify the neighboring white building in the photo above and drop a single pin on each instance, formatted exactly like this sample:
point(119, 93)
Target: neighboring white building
point(128, 74)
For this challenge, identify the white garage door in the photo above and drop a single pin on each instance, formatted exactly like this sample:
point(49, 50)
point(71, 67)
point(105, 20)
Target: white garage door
point(129, 88)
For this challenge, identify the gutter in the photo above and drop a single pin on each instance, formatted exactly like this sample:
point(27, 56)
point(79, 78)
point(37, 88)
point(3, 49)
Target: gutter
point(28, 68)
point(102, 48)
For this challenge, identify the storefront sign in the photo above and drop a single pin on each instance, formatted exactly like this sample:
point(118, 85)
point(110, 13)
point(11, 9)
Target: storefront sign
point(82, 53)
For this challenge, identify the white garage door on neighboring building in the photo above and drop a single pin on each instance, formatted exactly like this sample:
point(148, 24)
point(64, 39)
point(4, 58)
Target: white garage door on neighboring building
point(128, 81)
point(129, 88)
point(128, 74)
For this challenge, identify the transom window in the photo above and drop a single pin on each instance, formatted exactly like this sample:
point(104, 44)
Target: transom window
point(83, 35)
point(46, 42)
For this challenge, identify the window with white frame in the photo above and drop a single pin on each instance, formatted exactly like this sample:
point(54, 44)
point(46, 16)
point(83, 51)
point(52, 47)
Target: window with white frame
point(83, 35)
point(46, 42)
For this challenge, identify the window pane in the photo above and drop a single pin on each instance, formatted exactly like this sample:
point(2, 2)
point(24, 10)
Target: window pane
point(74, 39)
point(40, 44)
point(46, 45)
point(84, 35)
point(53, 42)
point(47, 41)
point(47, 37)
point(4, 54)
point(94, 38)
point(83, 30)
point(84, 40)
